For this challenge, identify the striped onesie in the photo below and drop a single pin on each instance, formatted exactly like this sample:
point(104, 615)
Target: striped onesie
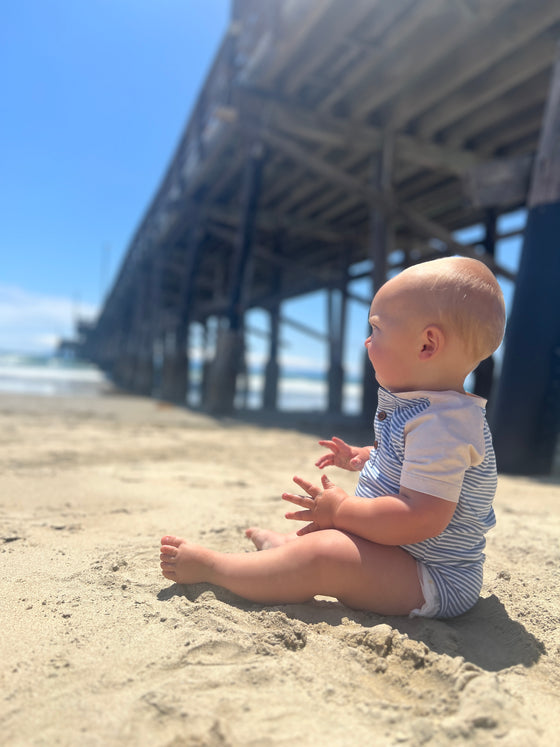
point(438, 443)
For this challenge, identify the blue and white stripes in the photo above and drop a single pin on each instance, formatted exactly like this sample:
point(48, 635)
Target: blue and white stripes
point(439, 443)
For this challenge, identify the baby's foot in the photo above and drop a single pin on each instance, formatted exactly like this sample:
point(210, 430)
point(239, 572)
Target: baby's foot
point(265, 539)
point(183, 563)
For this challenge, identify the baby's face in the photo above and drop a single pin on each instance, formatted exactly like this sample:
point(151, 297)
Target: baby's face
point(395, 340)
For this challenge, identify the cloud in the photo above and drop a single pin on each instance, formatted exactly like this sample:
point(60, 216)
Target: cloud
point(34, 323)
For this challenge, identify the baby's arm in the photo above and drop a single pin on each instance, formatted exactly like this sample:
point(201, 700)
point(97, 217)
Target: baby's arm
point(400, 519)
point(343, 455)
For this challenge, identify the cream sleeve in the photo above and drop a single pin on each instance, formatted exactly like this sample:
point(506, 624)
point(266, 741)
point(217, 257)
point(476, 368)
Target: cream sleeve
point(440, 445)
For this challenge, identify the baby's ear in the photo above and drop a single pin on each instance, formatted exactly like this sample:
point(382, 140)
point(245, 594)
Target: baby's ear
point(432, 342)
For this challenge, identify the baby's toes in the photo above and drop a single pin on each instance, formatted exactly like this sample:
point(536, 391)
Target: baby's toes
point(170, 539)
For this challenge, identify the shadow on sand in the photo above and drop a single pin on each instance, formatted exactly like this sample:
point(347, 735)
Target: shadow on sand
point(485, 636)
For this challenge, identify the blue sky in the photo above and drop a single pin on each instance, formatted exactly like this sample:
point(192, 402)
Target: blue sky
point(94, 98)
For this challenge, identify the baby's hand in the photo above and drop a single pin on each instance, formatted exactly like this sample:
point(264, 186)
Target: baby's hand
point(319, 505)
point(342, 455)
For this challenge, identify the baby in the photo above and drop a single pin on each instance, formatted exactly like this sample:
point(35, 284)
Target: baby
point(411, 540)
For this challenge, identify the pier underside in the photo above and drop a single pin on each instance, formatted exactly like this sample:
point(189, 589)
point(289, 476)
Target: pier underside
point(333, 141)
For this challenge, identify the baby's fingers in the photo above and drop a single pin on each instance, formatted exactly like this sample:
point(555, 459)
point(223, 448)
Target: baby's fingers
point(309, 488)
point(327, 460)
point(308, 528)
point(340, 444)
point(299, 515)
point(300, 500)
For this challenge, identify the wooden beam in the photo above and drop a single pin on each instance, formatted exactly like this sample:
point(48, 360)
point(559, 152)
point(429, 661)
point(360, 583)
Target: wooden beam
point(526, 126)
point(335, 132)
point(500, 182)
point(272, 368)
point(440, 29)
point(175, 375)
point(545, 187)
point(374, 196)
point(403, 20)
point(347, 182)
point(290, 38)
point(498, 112)
point(382, 227)
point(326, 34)
point(507, 75)
point(340, 133)
point(381, 243)
point(324, 277)
point(231, 170)
point(229, 357)
point(503, 37)
point(244, 240)
point(273, 221)
point(421, 223)
point(304, 328)
point(336, 306)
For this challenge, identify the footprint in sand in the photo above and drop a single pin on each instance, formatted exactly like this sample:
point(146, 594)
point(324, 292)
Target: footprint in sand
point(217, 653)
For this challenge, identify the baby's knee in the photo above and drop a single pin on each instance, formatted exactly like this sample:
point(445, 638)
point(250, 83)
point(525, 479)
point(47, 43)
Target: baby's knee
point(329, 543)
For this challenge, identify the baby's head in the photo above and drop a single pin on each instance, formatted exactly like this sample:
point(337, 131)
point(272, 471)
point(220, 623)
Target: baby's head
point(462, 295)
point(452, 310)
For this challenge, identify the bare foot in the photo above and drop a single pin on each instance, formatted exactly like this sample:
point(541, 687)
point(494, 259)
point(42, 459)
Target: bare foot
point(265, 539)
point(184, 563)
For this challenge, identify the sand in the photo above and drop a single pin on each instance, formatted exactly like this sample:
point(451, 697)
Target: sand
point(97, 648)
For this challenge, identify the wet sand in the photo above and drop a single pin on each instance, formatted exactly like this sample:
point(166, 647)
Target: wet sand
point(97, 648)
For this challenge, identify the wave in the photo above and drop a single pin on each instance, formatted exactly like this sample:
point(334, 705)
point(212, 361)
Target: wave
point(298, 390)
point(22, 373)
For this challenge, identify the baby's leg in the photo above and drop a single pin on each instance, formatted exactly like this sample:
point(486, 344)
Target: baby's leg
point(361, 574)
point(265, 539)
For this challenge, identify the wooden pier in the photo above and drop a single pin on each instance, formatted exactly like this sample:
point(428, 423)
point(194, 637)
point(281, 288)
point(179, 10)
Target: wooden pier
point(328, 135)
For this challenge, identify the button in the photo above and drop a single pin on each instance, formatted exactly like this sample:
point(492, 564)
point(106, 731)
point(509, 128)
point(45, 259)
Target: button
point(381, 415)
point(375, 444)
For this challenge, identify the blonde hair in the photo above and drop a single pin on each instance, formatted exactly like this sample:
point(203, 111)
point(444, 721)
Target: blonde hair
point(462, 294)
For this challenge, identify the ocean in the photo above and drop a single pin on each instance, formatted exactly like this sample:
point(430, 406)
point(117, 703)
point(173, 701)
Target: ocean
point(303, 391)
point(52, 376)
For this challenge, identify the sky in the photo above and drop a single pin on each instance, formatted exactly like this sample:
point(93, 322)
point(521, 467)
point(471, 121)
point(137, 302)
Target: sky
point(95, 95)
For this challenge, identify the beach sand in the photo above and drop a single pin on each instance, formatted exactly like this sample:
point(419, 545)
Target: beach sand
point(97, 648)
